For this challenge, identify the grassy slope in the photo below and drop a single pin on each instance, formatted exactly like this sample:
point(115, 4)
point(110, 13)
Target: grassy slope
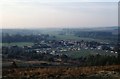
point(95, 72)
point(17, 43)
point(84, 52)
point(72, 37)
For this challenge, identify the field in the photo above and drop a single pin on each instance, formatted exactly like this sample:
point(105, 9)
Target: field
point(94, 72)
point(72, 37)
point(84, 52)
point(21, 44)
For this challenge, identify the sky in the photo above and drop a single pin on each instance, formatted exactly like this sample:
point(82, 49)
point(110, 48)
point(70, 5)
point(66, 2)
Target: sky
point(58, 13)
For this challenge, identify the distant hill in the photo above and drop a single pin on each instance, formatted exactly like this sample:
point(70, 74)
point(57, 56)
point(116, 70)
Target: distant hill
point(113, 29)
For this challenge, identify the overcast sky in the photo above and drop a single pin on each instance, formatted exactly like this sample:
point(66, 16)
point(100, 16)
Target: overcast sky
point(58, 13)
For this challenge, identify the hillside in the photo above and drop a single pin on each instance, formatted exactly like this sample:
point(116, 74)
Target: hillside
point(95, 72)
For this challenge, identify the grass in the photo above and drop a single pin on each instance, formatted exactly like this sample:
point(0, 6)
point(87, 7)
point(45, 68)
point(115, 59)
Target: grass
point(84, 52)
point(94, 72)
point(17, 43)
point(72, 37)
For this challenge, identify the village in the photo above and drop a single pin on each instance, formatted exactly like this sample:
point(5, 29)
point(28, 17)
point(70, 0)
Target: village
point(57, 47)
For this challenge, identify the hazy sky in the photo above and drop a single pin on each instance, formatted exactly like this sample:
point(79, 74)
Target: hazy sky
point(58, 13)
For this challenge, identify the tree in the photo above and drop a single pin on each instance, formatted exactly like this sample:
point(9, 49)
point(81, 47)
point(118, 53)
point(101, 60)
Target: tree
point(14, 65)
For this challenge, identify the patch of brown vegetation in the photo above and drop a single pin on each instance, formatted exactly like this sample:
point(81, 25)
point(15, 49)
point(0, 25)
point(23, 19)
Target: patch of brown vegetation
point(62, 71)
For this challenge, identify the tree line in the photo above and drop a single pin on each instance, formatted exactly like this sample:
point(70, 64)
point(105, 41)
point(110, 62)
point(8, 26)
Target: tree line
point(7, 38)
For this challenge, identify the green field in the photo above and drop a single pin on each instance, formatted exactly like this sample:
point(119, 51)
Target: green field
point(84, 52)
point(17, 43)
point(72, 37)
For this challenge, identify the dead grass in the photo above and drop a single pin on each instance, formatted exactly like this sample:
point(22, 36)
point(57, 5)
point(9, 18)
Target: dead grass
point(63, 71)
